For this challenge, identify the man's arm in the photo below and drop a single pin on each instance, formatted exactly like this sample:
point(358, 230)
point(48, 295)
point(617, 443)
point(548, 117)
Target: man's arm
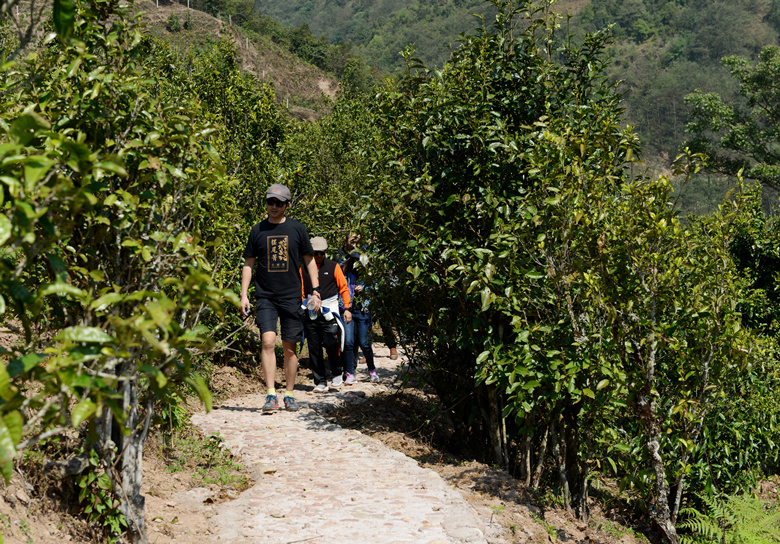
point(314, 276)
point(246, 280)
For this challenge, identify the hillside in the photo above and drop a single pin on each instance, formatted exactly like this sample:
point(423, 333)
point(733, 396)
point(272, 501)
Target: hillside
point(380, 29)
point(304, 88)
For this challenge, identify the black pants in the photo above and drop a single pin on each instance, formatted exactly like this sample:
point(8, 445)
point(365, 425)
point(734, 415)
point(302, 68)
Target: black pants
point(320, 334)
point(388, 335)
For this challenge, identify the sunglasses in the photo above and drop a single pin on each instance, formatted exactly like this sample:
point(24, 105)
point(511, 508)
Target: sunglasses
point(319, 253)
point(274, 202)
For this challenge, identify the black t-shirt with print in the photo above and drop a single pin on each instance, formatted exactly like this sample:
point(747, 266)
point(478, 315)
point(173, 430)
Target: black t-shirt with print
point(277, 249)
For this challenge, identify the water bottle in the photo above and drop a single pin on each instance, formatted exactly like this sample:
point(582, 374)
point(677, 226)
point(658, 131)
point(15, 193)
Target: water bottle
point(310, 308)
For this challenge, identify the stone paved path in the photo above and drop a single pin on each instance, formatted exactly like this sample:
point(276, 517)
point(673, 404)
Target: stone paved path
point(322, 484)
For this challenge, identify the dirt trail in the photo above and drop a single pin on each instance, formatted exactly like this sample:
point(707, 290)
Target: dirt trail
point(319, 483)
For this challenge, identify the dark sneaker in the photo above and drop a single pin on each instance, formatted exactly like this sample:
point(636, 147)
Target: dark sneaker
point(271, 403)
point(290, 404)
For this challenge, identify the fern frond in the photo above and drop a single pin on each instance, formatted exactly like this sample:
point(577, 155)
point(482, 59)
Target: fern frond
point(731, 520)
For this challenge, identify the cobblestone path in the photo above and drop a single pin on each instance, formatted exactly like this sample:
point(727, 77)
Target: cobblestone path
point(322, 484)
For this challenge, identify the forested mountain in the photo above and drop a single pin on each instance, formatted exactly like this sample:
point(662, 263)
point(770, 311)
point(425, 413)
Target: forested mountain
point(381, 29)
point(664, 50)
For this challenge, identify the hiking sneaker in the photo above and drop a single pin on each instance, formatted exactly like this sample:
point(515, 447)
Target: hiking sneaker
point(321, 388)
point(350, 379)
point(271, 403)
point(290, 404)
point(336, 381)
point(373, 377)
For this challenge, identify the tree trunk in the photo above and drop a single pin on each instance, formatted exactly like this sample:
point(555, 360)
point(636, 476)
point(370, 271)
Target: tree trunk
point(571, 440)
point(525, 453)
point(561, 463)
point(659, 509)
point(537, 478)
point(496, 427)
point(583, 511)
point(122, 453)
point(131, 472)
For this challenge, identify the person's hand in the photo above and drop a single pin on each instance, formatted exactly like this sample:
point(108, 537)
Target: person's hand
point(317, 301)
point(245, 306)
point(358, 288)
point(347, 316)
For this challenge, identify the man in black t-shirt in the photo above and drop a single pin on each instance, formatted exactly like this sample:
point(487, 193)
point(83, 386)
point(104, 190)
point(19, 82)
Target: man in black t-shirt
point(273, 252)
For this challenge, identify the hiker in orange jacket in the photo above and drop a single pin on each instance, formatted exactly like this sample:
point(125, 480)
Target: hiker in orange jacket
point(324, 329)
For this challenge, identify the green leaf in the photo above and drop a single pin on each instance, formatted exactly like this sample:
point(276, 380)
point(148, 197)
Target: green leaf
point(161, 379)
point(104, 482)
point(25, 126)
point(62, 288)
point(82, 411)
point(6, 393)
point(482, 356)
point(74, 66)
point(106, 300)
point(530, 386)
point(64, 16)
point(58, 266)
point(487, 298)
point(612, 463)
point(111, 166)
point(14, 422)
point(7, 451)
point(35, 170)
point(6, 228)
point(84, 334)
point(24, 364)
point(588, 393)
point(199, 386)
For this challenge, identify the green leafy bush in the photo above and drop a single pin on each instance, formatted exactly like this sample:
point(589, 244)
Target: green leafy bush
point(107, 178)
point(556, 303)
point(174, 24)
point(98, 501)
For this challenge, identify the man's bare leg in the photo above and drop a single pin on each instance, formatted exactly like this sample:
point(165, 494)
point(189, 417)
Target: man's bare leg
point(268, 359)
point(290, 364)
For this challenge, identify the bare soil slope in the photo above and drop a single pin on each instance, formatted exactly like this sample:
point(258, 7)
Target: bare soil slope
point(305, 89)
